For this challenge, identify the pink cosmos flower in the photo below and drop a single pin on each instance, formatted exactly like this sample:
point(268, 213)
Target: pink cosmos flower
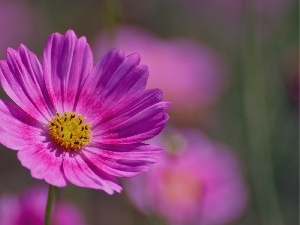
point(200, 183)
point(190, 74)
point(79, 123)
point(29, 209)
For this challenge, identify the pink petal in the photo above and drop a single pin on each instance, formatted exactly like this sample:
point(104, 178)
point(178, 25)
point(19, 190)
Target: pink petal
point(124, 110)
point(123, 160)
point(56, 166)
point(44, 161)
point(22, 79)
point(67, 60)
point(80, 171)
point(113, 78)
point(17, 128)
point(140, 127)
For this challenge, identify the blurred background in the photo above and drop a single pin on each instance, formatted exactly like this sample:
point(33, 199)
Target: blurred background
point(230, 69)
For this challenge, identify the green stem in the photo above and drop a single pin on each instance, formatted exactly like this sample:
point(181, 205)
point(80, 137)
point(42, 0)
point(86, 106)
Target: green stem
point(51, 192)
point(155, 220)
point(110, 14)
point(257, 125)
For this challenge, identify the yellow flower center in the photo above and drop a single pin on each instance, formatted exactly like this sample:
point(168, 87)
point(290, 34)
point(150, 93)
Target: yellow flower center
point(69, 130)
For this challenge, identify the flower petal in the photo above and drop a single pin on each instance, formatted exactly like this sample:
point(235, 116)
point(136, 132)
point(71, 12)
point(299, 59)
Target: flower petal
point(56, 166)
point(142, 126)
point(17, 128)
point(137, 128)
point(123, 160)
point(113, 78)
point(22, 79)
point(80, 171)
point(105, 118)
point(44, 161)
point(67, 60)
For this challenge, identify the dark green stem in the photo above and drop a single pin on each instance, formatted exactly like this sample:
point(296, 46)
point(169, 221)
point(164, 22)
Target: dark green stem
point(110, 14)
point(155, 220)
point(257, 124)
point(51, 192)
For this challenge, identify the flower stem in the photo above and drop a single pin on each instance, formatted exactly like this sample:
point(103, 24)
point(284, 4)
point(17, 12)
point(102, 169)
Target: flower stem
point(51, 192)
point(257, 113)
point(111, 13)
point(155, 220)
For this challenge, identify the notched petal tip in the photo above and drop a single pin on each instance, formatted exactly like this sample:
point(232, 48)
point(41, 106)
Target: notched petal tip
point(135, 58)
point(143, 69)
point(22, 47)
point(168, 105)
point(10, 52)
point(155, 93)
point(116, 190)
point(56, 35)
point(159, 95)
point(73, 37)
point(111, 54)
point(70, 32)
point(116, 52)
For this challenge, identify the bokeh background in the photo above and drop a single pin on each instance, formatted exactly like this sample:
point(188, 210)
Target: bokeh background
point(230, 68)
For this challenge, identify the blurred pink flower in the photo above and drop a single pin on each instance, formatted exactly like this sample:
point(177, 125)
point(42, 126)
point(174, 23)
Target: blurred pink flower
point(16, 23)
point(199, 183)
point(29, 209)
point(190, 74)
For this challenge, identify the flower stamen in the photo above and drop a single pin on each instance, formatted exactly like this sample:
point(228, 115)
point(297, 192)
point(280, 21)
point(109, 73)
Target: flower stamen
point(69, 130)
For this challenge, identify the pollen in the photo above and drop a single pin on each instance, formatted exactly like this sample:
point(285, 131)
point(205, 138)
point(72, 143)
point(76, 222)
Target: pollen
point(69, 130)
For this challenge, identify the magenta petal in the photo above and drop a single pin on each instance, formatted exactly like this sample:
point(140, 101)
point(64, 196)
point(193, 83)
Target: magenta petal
point(17, 128)
point(80, 171)
point(123, 160)
point(116, 114)
point(131, 83)
point(140, 127)
point(106, 81)
point(114, 77)
point(101, 76)
point(43, 163)
point(22, 79)
point(67, 60)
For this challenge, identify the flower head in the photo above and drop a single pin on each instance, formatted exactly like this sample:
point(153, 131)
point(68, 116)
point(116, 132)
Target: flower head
point(198, 183)
point(29, 209)
point(79, 123)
